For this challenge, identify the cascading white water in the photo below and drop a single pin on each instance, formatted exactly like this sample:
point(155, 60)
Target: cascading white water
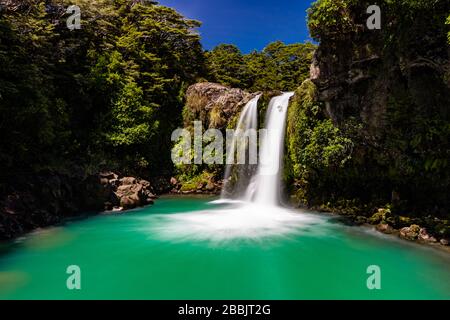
point(248, 120)
point(265, 187)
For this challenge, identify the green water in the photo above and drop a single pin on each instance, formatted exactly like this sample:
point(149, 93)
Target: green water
point(125, 257)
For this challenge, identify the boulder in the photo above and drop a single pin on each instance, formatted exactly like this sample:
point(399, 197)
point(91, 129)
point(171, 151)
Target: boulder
point(130, 202)
point(385, 228)
point(424, 236)
point(410, 233)
point(133, 193)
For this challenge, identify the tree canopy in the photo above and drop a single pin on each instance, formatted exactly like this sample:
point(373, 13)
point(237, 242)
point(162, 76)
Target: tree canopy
point(276, 67)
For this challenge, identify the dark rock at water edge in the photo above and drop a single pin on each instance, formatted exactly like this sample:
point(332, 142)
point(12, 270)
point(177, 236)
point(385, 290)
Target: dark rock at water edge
point(49, 198)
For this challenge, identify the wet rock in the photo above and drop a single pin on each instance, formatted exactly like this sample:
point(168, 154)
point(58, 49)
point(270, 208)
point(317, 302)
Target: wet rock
point(385, 228)
point(410, 233)
point(130, 202)
point(444, 242)
point(424, 236)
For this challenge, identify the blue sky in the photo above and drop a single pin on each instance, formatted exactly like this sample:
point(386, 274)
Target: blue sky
point(249, 24)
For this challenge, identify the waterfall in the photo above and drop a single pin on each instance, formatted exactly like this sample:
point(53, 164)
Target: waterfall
point(238, 176)
point(266, 185)
point(240, 181)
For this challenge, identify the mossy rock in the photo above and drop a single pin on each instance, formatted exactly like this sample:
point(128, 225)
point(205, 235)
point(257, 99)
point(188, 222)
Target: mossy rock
point(381, 216)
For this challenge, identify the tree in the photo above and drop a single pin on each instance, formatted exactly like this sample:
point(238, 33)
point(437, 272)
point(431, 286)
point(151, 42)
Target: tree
point(227, 66)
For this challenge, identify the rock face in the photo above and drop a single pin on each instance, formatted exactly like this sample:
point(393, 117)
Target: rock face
point(49, 198)
point(358, 72)
point(213, 104)
point(388, 92)
point(217, 107)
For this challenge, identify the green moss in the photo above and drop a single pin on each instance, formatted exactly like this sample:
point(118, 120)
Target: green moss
point(316, 148)
point(193, 183)
point(330, 17)
point(186, 187)
point(263, 105)
point(448, 34)
point(381, 216)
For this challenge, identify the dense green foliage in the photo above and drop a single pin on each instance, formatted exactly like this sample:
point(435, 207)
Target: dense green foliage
point(277, 67)
point(108, 94)
point(317, 149)
point(358, 143)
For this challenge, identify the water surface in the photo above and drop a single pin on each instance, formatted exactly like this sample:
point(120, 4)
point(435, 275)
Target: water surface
point(162, 252)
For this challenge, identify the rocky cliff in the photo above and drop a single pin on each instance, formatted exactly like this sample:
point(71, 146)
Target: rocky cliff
point(371, 127)
point(213, 104)
point(217, 107)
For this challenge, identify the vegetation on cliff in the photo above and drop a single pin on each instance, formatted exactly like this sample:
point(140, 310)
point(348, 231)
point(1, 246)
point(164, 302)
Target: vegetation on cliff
point(372, 128)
